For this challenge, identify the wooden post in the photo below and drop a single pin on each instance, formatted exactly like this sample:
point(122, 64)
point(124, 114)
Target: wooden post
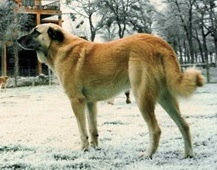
point(38, 18)
point(60, 20)
point(38, 21)
point(5, 60)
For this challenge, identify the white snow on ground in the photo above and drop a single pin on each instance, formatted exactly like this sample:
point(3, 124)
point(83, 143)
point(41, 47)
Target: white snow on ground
point(38, 131)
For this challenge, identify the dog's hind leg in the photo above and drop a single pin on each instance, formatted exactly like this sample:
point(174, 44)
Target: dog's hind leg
point(145, 91)
point(146, 102)
point(170, 104)
point(78, 106)
point(147, 106)
point(92, 120)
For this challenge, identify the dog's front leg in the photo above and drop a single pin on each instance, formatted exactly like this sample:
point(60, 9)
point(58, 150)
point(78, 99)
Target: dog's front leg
point(92, 120)
point(78, 106)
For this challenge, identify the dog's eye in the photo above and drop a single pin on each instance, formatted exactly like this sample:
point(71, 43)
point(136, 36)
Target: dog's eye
point(36, 32)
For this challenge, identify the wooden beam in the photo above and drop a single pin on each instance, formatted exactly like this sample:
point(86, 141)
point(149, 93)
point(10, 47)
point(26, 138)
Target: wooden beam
point(38, 18)
point(38, 21)
point(60, 20)
point(41, 11)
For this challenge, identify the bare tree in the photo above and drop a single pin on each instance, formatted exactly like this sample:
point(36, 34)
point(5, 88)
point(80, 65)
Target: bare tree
point(88, 9)
point(184, 10)
point(212, 7)
point(114, 15)
point(118, 13)
point(196, 21)
point(142, 16)
point(11, 24)
point(5, 30)
point(108, 33)
point(128, 15)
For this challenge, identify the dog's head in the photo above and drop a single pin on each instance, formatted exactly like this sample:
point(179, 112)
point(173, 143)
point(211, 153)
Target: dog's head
point(41, 36)
point(3, 79)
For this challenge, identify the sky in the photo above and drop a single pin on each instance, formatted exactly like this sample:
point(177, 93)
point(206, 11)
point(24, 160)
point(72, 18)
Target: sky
point(158, 4)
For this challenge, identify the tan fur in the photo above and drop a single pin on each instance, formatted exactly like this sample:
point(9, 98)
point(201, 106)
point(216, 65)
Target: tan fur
point(90, 72)
point(3, 82)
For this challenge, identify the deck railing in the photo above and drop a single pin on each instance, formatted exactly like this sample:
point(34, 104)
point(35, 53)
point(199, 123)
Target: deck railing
point(40, 4)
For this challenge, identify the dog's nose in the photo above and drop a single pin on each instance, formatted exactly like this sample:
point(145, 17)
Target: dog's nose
point(19, 40)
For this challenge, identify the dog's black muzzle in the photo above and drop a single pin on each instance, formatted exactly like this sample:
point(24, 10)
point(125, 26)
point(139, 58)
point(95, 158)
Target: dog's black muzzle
point(27, 42)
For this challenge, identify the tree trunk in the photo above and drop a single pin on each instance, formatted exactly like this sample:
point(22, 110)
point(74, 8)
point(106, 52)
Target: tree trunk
point(5, 60)
point(180, 51)
point(206, 54)
point(187, 57)
point(92, 29)
point(200, 46)
point(2, 60)
point(190, 36)
point(213, 19)
point(16, 64)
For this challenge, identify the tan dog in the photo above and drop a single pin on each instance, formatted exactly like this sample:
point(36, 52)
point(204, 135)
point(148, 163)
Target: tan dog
point(90, 72)
point(3, 82)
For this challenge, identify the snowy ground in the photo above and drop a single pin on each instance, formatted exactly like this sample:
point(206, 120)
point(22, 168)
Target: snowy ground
point(38, 131)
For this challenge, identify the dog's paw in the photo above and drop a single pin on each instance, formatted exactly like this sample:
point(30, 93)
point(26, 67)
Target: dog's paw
point(145, 156)
point(85, 147)
point(97, 148)
point(85, 150)
point(128, 101)
point(188, 156)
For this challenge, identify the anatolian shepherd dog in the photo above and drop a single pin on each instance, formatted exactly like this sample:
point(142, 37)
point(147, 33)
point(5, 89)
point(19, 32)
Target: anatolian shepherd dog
point(90, 72)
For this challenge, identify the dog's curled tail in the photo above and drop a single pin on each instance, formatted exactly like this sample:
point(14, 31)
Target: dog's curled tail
point(181, 83)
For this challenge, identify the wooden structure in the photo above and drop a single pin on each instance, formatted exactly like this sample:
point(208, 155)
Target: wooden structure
point(41, 11)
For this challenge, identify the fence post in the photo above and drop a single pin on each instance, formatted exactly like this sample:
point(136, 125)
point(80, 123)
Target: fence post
point(207, 72)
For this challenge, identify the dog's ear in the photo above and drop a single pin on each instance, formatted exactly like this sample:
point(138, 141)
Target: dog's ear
point(55, 34)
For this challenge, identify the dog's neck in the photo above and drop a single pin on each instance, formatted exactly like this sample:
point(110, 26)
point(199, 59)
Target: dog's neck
point(44, 58)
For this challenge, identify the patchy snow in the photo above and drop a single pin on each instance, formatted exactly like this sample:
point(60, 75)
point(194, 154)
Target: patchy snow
point(38, 131)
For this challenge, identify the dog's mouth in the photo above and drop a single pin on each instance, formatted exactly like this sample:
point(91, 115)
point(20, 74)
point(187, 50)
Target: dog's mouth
point(27, 43)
